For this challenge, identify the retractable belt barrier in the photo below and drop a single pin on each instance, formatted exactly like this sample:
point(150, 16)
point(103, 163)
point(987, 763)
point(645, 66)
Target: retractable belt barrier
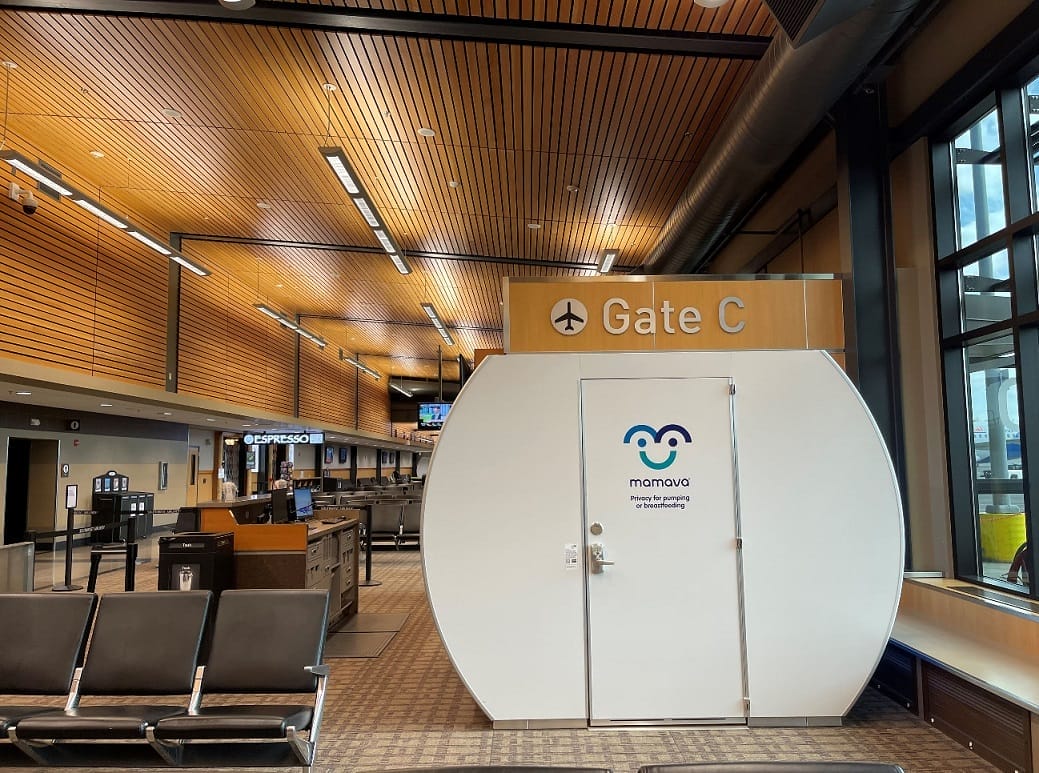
point(71, 531)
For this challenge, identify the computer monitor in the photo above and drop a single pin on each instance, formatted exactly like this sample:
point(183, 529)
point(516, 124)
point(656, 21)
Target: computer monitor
point(279, 505)
point(304, 500)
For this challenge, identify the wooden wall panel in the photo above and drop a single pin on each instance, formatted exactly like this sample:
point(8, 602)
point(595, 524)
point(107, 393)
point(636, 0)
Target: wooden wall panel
point(374, 405)
point(77, 294)
point(230, 351)
point(326, 385)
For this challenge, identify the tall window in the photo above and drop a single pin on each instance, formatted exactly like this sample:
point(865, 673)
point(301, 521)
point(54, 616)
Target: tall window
point(986, 174)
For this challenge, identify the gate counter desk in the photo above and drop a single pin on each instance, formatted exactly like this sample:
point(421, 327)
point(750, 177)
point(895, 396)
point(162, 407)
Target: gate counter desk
point(306, 554)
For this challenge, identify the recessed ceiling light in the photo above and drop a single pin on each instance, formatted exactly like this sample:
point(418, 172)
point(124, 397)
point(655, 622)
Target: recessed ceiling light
point(23, 393)
point(279, 285)
point(710, 3)
point(210, 419)
point(172, 112)
point(247, 425)
point(263, 205)
point(167, 413)
point(106, 405)
point(533, 226)
point(453, 183)
point(611, 224)
point(426, 132)
point(572, 189)
point(97, 154)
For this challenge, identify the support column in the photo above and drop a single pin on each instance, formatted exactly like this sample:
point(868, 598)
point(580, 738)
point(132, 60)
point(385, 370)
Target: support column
point(173, 319)
point(868, 264)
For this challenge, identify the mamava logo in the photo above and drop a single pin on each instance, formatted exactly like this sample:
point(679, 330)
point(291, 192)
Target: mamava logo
point(658, 435)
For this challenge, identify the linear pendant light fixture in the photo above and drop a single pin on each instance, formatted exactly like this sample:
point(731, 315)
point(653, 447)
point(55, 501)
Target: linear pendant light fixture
point(60, 187)
point(608, 259)
point(286, 321)
point(401, 389)
point(359, 365)
point(336, 159)
point(437, 323)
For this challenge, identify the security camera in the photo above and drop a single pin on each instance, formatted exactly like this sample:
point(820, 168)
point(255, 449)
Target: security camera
point(26, 197)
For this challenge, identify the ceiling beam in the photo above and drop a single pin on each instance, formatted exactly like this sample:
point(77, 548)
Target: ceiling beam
point(423, 25)
point(406, 323)
point(508, 261)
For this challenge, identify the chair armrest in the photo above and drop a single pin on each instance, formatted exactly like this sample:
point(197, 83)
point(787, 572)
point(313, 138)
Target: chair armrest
point(322, 670)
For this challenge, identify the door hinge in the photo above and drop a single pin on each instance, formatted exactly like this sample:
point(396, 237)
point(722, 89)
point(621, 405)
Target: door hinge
point(739, 543)
point(746, 705)
point(732, 388)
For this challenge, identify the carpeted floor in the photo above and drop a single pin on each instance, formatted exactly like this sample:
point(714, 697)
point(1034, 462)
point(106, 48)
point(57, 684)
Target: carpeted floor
point(408, 708)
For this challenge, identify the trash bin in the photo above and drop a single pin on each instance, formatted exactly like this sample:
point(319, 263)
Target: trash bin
point(197, 561)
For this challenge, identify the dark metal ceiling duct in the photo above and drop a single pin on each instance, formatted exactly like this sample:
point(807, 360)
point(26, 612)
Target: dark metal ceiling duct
point(790, 91)
point(803, 20)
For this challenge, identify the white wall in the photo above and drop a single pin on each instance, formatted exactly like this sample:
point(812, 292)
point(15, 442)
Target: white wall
point(206, 442)
point(92, 455)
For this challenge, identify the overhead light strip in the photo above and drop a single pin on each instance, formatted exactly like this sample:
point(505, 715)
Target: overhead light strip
point(401, 389)
point(358, 364)
point(437, 323)
point(59, 186)
point(608, 259)
point(336, 159)
point(286, 321)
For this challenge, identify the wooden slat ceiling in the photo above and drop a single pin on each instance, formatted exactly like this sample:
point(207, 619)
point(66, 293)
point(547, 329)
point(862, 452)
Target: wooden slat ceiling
point(515, 126)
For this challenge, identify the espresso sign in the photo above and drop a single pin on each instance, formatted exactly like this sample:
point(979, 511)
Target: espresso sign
point(673, 313)
point(286, 438)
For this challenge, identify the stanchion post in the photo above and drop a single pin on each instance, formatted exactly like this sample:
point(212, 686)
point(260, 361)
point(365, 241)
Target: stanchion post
point(70, 506)
point(368, 582)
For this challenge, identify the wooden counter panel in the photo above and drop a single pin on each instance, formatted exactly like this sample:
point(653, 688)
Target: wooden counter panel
point(256, 537)
point(270, 570)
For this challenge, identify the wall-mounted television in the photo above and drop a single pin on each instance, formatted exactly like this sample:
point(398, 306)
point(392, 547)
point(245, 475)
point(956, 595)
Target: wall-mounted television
point(431, 415)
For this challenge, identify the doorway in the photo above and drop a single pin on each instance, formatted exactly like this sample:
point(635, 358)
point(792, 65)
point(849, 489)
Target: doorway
point(32, 484)
point(666, 638)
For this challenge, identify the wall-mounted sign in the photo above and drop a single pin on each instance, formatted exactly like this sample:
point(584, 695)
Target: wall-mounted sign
point(73, 425)
point(71, 497)
point(286, 437)
point(640, 313)
point(65, 470)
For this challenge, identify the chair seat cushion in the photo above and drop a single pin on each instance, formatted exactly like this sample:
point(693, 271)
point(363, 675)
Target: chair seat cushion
point(94, 722)
point(255, 721)
point(10, 715)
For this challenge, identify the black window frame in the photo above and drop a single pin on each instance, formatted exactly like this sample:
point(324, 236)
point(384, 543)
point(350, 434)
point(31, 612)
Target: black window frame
point(1018, 237)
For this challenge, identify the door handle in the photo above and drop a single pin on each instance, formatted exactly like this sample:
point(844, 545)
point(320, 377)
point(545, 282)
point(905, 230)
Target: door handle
point(598, 555)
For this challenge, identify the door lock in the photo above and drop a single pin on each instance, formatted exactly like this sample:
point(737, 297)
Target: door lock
point(598, 554)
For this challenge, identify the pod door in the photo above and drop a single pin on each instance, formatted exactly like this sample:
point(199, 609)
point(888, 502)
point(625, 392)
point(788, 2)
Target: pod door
point(665, 617)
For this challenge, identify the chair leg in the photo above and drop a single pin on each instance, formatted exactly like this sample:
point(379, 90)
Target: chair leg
point(171, 753)
point(301, 747)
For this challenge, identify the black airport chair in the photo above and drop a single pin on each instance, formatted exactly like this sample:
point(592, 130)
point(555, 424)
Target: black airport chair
point(41, 641)
point(142, 644)
point(774, 767)
point(264, 641)
point(410, 522)
point(386, 518)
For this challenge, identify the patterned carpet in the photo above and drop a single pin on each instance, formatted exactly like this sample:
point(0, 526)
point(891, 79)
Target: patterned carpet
point(409, 708)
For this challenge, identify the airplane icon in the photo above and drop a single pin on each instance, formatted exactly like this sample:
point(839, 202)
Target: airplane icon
point(570, 318)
